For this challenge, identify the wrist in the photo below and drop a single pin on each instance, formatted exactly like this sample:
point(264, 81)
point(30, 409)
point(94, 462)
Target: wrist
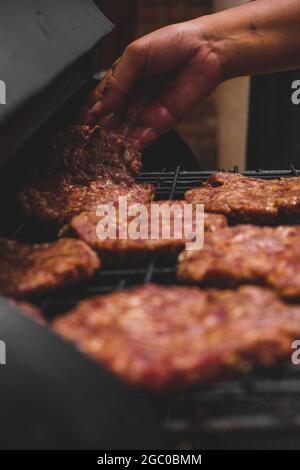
point(220, 44)
point(254, 38)
point(208, 55)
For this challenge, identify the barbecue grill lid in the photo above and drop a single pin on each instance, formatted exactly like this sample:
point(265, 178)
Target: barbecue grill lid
point(52, 397)
point(44, 48)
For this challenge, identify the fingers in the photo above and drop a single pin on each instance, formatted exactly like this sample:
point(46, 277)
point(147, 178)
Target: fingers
point(114, 90)
point(84, 116)
point(157, 82)
point(146, 124)
point(141, 60)
point(148, 120)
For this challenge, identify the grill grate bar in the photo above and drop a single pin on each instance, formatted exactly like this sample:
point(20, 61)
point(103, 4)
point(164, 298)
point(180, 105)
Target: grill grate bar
point(267, 400)
point(174, 183)
point(206, 174)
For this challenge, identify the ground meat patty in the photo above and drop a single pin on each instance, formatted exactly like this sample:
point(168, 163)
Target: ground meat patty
point(26, 270)
point(158, 337)
point(134, 251)
point(84, 153)
point(246, 254)
point(87, 166)
point(59, 202)
point(249, 199)
point(30, 310)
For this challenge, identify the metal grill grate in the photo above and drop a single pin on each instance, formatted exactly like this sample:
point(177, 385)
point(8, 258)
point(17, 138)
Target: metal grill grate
point(169, 185)
point(261, 410)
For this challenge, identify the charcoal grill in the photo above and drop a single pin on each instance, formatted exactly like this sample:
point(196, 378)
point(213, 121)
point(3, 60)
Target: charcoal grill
point(51, 396)
point(261, 410)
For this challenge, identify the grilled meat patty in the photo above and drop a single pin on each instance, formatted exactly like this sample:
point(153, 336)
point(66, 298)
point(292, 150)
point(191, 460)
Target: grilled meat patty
point(249, 199)
point(86, 167)
point(246, 254)
point(83, 153)
point(27, 270)
point(133, 251)
point(61, 201)
point(30, 310)
point(158, 337)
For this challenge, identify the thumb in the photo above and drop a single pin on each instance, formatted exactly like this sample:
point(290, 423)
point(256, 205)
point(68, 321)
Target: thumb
point(148, 120)
point(113, 91)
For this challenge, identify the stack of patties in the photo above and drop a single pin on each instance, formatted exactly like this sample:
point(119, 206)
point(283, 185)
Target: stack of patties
point(86, 167)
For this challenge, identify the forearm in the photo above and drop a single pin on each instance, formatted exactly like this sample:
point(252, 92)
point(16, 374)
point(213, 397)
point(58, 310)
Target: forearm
point(259, 37)
point(163, 76)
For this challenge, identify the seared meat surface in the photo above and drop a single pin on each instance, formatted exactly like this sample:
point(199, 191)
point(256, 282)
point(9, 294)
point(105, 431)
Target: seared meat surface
point(134, 251)
point(249, 199)
point(61, 201)
point(27, 270)
point(158, 337)
point(246, 254)
point(30, 310)
point(87, 167)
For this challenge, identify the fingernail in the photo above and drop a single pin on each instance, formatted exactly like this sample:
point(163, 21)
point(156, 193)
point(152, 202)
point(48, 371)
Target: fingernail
point(96, 109)
point(124, 130)
point(107, 120)
point(142, 137)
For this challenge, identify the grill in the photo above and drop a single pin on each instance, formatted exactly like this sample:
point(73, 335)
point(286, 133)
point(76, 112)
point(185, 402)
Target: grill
point(50, 395)
point(260, 410)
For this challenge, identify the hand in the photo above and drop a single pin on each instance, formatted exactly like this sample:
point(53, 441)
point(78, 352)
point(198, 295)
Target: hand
point(159, 80)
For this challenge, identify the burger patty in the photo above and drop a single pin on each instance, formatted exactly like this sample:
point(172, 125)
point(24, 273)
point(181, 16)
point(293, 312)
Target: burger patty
point(159, 337)
point(31, 311)
point(84, 153)
point(249, 199)
point(130, 250)
point(86, 167)
point(246, 254)
point(57, 203)
point(27, 270)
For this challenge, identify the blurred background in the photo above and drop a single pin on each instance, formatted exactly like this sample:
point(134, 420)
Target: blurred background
point(217, 130)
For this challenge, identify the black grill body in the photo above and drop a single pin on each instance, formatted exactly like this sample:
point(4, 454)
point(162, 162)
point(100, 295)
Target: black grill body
point(260, 410)
point(51, 396)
